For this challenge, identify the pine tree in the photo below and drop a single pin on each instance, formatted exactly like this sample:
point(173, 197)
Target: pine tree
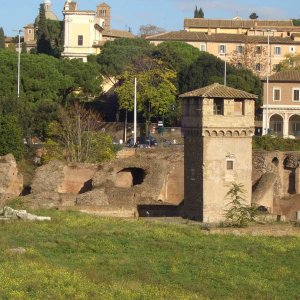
point(43, 42)
point(2, 38)
point(253, 16)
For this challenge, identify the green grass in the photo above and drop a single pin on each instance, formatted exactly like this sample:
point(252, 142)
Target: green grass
point(76, 256)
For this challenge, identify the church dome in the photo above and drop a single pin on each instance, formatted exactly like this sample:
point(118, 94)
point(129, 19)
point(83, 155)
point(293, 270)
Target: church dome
point(50, 15)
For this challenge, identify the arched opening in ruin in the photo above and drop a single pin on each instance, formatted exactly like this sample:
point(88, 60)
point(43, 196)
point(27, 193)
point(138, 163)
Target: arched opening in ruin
point(276, 125)
point(87, 187)
point(129, 177)
point(262, 209)
point(292, 182)
point(294, 125)
point(275, 161)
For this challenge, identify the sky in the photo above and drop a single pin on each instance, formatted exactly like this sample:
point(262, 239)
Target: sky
point(168, 14)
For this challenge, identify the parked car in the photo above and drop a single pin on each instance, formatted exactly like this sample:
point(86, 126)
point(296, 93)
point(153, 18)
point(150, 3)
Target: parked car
point(142, 142)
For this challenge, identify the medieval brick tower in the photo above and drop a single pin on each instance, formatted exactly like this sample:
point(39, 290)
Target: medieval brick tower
point(218, 125)
point(103, 12)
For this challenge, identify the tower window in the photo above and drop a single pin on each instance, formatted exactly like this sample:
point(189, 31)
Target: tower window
point(218, 106)
point(80, 40)
point(229, 164)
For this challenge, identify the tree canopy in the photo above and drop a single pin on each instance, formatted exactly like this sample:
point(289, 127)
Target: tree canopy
point(253, 16)
point(11, 136)
point(290, 62)
point(155, 90)
point(208, 69)
point(117, 55)
point(150, 29)
point(46, 82)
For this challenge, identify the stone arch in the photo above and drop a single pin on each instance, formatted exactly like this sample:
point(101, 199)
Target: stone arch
point(221, 133)
point(236, 133)
point(294, 125)
point(243, 133)
point(214, 133)
point(228, 133)
point(276, 125)
point(129, 177)
point(206, 133)
point(275, 161)
point(250, 133)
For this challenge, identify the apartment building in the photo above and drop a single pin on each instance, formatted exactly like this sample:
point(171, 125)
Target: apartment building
point(281, 104)
point(241, 42)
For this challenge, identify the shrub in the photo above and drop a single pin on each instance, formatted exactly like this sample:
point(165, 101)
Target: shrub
point(75, 137)
point(271, 143)
point(239, 214)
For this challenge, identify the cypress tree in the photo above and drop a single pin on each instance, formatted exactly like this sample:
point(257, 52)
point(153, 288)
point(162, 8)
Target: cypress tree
point(2, 38)
point(200, 13)
point(196, 12)
point(24, 48)
point(43, 42)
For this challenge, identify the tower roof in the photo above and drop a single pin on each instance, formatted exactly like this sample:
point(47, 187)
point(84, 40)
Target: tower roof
point(103, 4)
point(217, 90)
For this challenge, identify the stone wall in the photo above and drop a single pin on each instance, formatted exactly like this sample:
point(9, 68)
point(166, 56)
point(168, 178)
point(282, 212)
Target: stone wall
point(276, 181)
point(11, 181)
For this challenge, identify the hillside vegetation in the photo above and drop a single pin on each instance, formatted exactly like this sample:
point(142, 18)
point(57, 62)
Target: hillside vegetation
point(76, 256)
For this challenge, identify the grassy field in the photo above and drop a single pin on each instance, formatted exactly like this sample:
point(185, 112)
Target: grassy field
point(76, 256)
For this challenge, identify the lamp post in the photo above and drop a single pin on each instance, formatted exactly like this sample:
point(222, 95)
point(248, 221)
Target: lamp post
point(225, 70)
point(19, 63)
point(268, 74)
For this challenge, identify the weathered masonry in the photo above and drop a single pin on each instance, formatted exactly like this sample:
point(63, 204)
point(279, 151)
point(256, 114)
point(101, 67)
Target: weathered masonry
point(218, 125)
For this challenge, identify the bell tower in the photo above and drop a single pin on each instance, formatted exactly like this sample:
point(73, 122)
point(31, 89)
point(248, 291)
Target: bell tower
point(103, 12)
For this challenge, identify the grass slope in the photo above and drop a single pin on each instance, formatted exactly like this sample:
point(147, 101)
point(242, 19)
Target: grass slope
point(77, 256)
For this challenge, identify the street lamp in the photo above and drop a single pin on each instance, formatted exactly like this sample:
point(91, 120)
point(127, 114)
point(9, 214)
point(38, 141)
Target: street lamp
point(19, 62)
point(268, 74)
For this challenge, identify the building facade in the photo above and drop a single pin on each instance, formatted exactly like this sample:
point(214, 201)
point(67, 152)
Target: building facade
point(82, 32)
point(281, 104)
point(218, 125)
point(86, 31)
point(241, 42)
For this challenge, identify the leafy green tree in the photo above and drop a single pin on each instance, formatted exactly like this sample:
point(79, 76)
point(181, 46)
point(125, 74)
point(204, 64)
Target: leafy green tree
point(239, 214)
point(177, 55)
point(46, 82)
point(296, 22)
point(11, 136)
point(253, 16)
point(2, 38)
point(208, 69)
point(155, 89)
point(290, 62)
point(55, 36)
point(117, 55)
